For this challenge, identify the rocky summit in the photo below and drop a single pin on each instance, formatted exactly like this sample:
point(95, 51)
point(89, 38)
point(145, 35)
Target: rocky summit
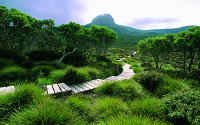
point(103, 19)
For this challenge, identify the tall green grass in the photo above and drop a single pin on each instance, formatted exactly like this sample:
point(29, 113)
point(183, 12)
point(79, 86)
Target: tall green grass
point(50, 112)
point(124, 89)
point(5, 63)
point(131, 120)
point(149, 107)
point(13, 73)
point(105, 107)
point(23, 96)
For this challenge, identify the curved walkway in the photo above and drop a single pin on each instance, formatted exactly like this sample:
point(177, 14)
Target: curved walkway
point(62, 88)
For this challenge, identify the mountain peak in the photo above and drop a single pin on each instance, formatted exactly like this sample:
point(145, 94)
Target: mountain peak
point(103, 19)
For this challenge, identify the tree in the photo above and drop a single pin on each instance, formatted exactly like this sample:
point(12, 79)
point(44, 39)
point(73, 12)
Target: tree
point(68, 31)
point(182, 45)
point(103, 36)
point(157, 47)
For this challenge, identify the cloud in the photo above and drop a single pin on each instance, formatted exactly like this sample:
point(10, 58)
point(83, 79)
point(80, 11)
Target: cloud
point(149, 23)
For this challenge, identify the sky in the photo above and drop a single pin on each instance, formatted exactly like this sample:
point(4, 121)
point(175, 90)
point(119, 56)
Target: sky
point(139, 14)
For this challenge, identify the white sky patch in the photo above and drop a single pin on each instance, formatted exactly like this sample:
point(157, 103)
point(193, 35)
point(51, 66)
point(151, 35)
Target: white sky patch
point(142, 14)
point(126, 12)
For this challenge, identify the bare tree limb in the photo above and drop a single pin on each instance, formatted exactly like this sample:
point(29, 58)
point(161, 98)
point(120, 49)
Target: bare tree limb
point(65, 55)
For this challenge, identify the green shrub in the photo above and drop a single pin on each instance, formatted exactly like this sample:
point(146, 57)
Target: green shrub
point(183, 107)
point(170, 85)
point(53, 64)
point(23, 96)
point(43, 55)
point(131, 120)
point(56, 75)
point(44, 69)
point(137, 69)
point(50, 112)
point(90, 73)
point(150, 79)
point(4, 63)
point(76, 59)
point(123, 89)
point(150, 106)
point(106, 106)
point(102, 64)
point(79, 105)
point(12, 54)
point(103, 58)
point(13, 73)
point(44, 81)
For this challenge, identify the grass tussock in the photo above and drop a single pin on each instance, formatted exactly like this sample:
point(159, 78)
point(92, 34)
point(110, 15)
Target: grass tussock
point(149, 107)
point(50, 112)
point(13, 73)
point(123, 89)
point(5, 63)
point(131, 120)
point(105, 107)
point(23, 96)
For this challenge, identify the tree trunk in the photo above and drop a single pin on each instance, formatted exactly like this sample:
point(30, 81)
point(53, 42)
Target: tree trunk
point(184, 54)
point(157, 64)
point(191, 59)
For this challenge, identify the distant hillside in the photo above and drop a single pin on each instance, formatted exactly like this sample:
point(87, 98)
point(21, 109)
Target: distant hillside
point(108, 21)
point(172, 30)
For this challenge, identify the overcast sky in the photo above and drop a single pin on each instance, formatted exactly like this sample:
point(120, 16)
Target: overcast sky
point(140, 14)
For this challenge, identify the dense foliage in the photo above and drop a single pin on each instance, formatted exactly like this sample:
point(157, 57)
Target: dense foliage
point(186, 42)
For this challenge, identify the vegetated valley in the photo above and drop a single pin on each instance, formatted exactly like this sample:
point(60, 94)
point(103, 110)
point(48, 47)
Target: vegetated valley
point(164, 90)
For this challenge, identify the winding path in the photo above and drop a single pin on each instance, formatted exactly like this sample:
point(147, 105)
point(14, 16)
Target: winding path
point(62, 88)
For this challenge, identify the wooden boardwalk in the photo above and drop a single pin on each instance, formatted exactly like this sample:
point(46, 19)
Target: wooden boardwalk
point(7, 89)
point(62, 88)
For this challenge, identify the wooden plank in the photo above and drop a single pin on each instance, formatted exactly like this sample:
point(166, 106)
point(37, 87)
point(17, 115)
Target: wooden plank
point(74, 90)
point(50, 89)
point(67, 88)
point(78, 88)
point(98, 82)
point(62, 88)
point(56, 88)
point(83, 87)
point(95, 86)
point(2, 89)
point(89, 86)
point(10, 89)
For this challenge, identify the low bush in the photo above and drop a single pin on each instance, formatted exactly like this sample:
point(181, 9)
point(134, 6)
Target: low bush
point(44, 69)
point(137, 69)
point(4, 63)
point(23, 96)
point(56, 75)
point(12, 54)
point(105, 107)
point(170, 85)
point(13, 73)
point(43, 55)
point(53, 64)
point(79, 75)
point(183, 107)
point(103, 58)
point(131, 120)
point(150, 79)
point(49, 113)
point(78, 104)
point(44, 81)
point(149, 107)
point(122, 89)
